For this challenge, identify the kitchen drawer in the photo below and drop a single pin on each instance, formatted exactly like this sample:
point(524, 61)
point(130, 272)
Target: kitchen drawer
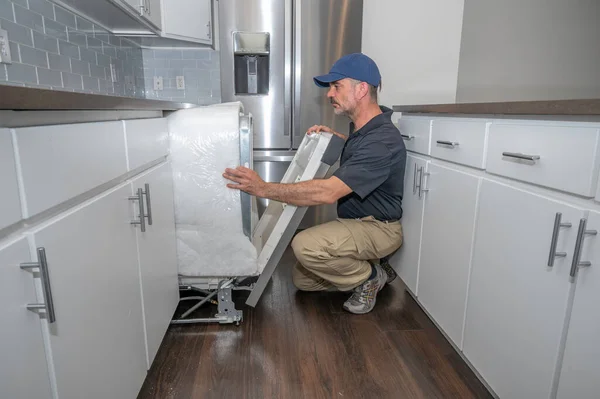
point(459, 141)
point(10, 205)
point(147, 140)
point(415, 131)
point(559, 155)
point(62, 161)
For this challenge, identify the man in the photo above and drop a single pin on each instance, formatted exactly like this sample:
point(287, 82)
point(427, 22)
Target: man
point(342, 254)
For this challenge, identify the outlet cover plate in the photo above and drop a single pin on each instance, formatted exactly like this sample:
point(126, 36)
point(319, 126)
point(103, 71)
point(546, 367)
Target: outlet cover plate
point(5, 57)
point(180, 83)
point(158, 83)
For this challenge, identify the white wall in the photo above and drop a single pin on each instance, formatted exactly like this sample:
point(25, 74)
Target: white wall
point(529, 50)
point(416, 45)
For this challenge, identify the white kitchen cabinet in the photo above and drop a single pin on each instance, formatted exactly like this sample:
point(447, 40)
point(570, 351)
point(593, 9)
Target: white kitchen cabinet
point(581, 361)
point(147, 141)
point(60, 162)
point(446, 245)
point(147, 10)
point(10, 205)
point(558, 155)
point(406, 259)
point(96, 343)
point(157, 255)
point(188, 20)
point(517, 303)
point(23, 368)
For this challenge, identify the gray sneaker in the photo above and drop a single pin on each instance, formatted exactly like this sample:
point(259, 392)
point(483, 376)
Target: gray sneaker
point(389, 270)
point(363, 299)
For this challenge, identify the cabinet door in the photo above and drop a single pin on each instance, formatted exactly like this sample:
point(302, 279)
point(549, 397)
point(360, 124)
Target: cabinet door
point(448, 222)
point(23, 367)
point(153, 12)
point(147, 141)
point(517, 303)
point(97, 340)
point(158, 256)
point(10, 205)
point(406, 260)
point(190, 19)
point(581, 362)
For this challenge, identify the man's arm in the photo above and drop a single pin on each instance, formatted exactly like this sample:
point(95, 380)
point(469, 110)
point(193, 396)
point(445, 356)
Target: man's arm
point(307, 193)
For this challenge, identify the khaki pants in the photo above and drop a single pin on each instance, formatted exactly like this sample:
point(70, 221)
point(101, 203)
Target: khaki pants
point(336, 254)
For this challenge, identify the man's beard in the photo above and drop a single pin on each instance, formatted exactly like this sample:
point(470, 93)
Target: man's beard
point(339, 110)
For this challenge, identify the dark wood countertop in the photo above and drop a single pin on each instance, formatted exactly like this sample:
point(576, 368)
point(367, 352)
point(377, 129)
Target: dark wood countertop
point(26, 98)
point(552, 107)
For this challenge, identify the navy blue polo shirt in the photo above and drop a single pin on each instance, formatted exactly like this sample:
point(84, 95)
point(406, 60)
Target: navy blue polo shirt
point(372, 164)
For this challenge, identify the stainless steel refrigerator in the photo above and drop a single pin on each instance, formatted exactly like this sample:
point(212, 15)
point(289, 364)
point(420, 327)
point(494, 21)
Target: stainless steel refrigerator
point(269, 52)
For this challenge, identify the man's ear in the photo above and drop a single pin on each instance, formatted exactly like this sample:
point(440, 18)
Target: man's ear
point(363, 90)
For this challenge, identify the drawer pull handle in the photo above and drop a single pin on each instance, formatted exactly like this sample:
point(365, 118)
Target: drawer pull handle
point(406, 137)
point(518, 155)
point(415, 179)
point(553, 242)
point(140, 198)
point(448, 143)
point(148, 203)
point(42, 266)
point(421, 174)
point(577, 262)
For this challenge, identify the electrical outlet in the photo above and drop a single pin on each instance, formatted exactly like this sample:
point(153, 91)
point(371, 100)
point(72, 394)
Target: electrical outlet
point(129, 82)
point(180, 83)
point(158, 83)
point(113, 72)
point(5, 57)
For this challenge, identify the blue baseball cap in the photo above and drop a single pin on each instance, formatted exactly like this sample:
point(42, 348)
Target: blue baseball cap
point(356, 66)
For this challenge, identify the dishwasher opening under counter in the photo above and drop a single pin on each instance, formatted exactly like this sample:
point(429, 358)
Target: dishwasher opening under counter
point(271, 166)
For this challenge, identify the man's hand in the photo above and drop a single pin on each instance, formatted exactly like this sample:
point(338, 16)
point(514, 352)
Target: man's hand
point(321, 128)
point(247, 180)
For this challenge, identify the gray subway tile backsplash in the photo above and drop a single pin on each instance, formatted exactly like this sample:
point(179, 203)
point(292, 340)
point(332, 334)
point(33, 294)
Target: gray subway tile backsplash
point(17, 33)
point(68, 49)
point(43, 7)
point(65, 17)
point(28, 18)
point(55, 29)
point(91, 84)
point(6, 11)
point(80, 39)
point(49, 77)
point(21, 73)
point(80, 67)
point(72, 81)
point(84, 25)
point(59, 62)
point(53, 48)
point(46, 43)
point(32, 56)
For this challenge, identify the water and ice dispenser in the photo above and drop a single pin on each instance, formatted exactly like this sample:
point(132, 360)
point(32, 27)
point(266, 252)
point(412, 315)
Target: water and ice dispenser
point(251, 63)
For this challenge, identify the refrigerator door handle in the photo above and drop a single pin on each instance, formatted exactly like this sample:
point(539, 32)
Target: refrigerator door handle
point(297, 66)
point(288, 64)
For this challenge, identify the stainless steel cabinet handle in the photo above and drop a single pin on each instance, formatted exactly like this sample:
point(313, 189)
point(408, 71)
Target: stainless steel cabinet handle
point(421, 189)
point(555, 231)
point(149, 7)
point(406, 137)
point(148, 203)
point(577, 262)
point(415, 179)
point(140, 198)
point(448, 143)
point(518, 155)
point(209, 31)
point(42, 265)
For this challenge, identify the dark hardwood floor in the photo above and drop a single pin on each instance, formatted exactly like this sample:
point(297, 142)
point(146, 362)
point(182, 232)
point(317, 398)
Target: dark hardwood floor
point(304, 345)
